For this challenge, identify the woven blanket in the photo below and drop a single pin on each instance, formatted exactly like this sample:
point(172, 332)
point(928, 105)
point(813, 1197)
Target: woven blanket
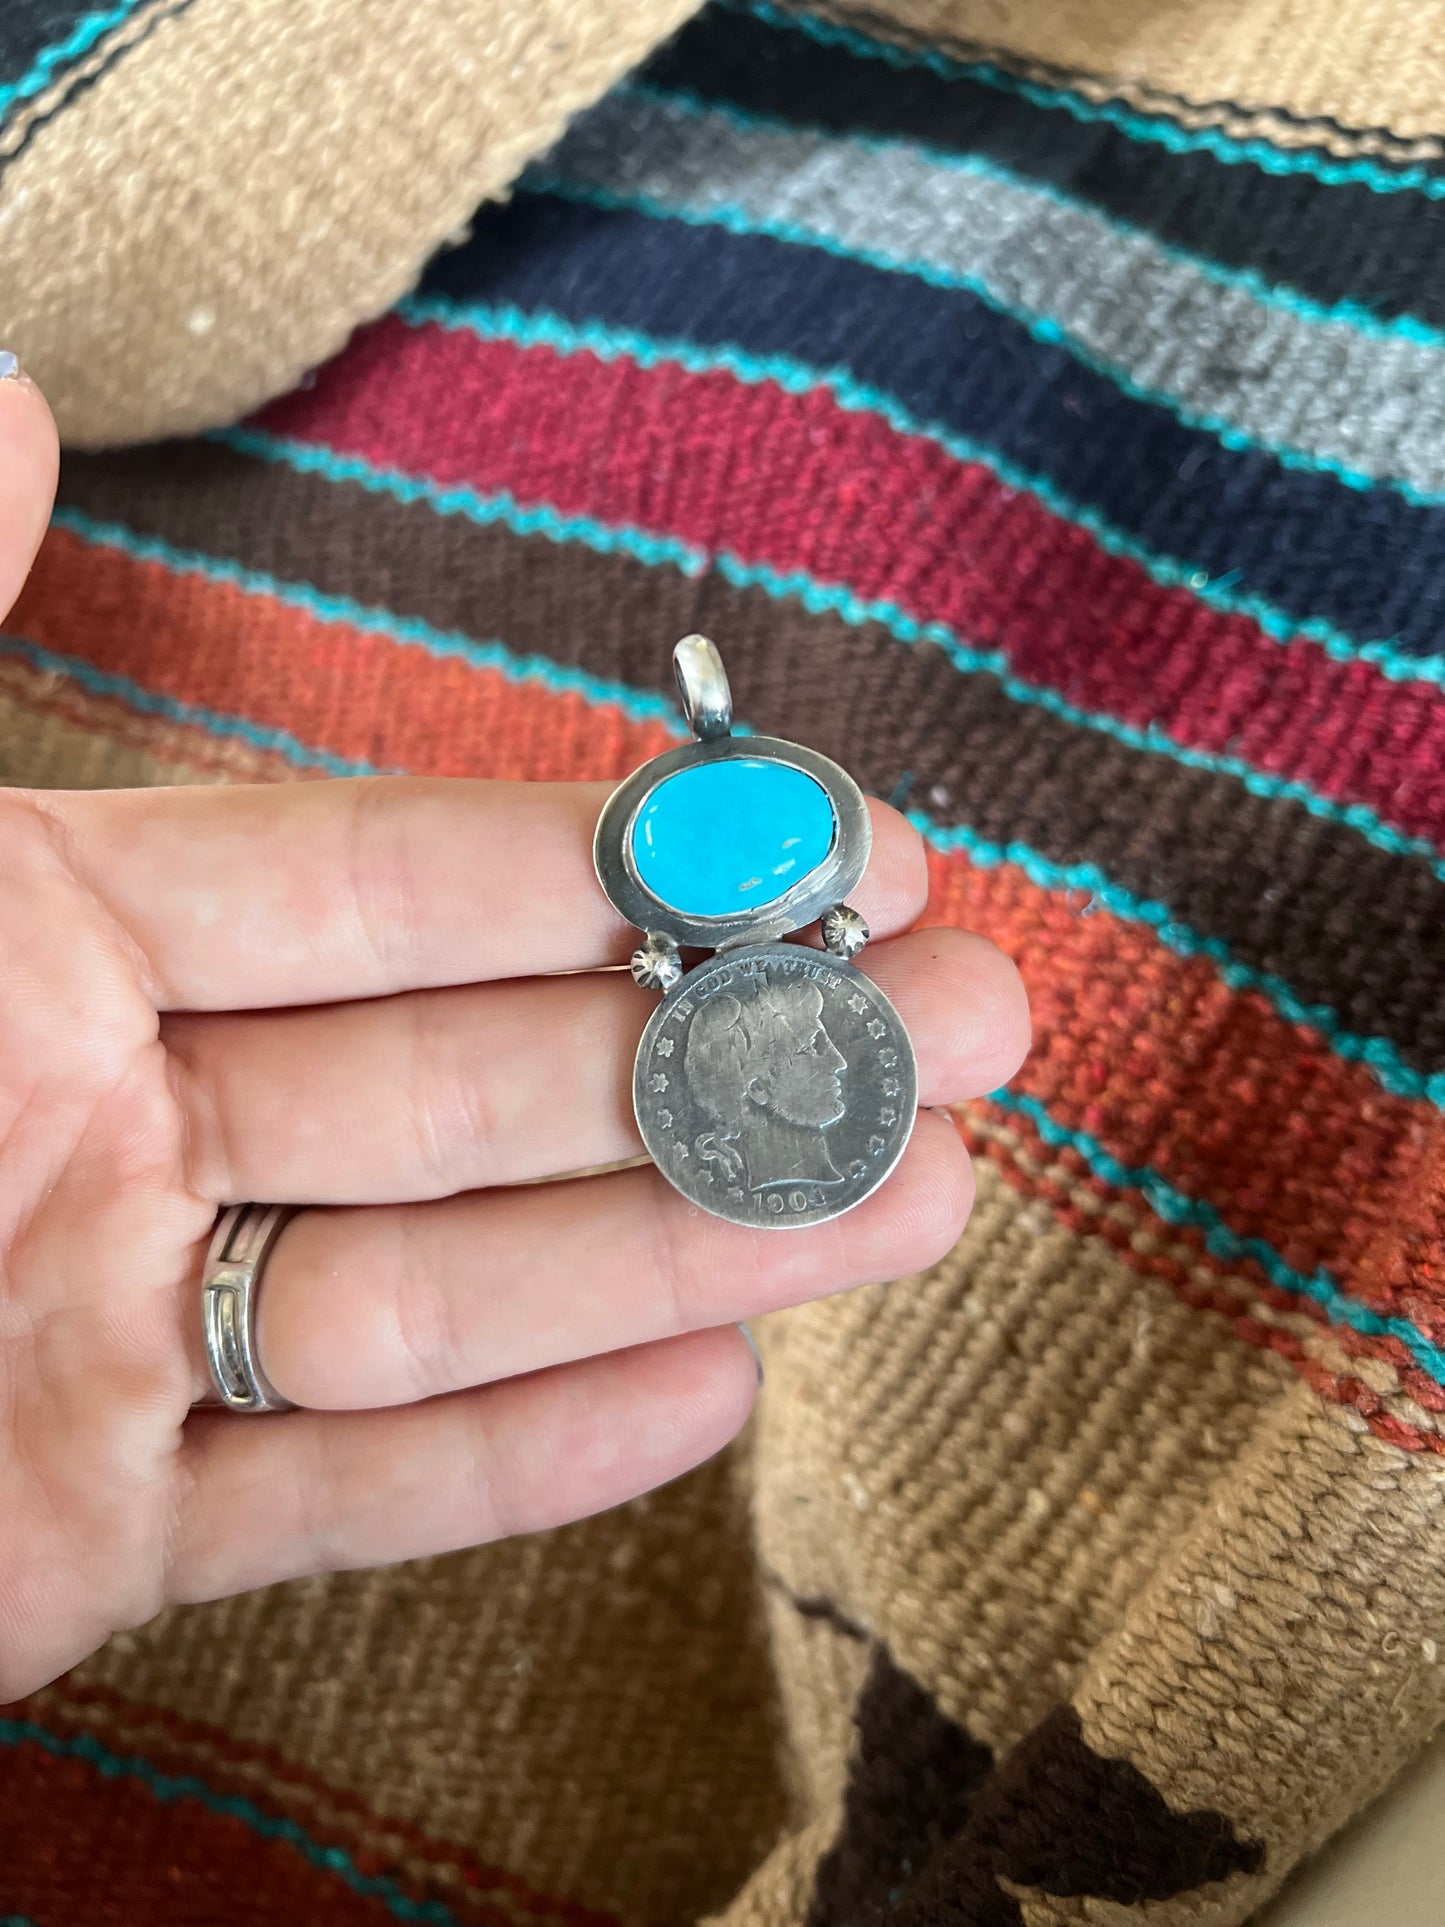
point(1043, 405)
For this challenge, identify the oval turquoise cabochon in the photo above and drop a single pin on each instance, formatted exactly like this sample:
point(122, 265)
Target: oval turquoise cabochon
point(735, 835)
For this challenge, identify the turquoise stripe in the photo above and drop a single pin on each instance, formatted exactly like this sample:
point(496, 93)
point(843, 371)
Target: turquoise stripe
point(1269, 294)
point(640, 706)
point(1155, 129)
point(1376, 1053)
point(1177, 1207)
point(81, 38)
point(168, 1788)
point(505, 322)
point(737, 220)
point(548, 330)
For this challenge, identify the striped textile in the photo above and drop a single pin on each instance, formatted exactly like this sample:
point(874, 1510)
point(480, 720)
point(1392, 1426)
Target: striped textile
point(1068, 463)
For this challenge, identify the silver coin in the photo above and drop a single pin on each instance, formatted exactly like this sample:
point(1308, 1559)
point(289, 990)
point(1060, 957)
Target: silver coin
point(775, 1085)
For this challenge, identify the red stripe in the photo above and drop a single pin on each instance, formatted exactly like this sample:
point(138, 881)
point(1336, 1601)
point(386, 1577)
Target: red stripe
point(81, 1846)
point(799, 483)
point(1148, 1052)
point(480, 1893)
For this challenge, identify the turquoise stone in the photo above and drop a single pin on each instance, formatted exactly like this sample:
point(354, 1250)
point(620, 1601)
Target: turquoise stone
point(721, 838)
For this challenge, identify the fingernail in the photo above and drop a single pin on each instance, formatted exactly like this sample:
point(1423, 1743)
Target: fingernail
point(747, 1333)
point(9, 366)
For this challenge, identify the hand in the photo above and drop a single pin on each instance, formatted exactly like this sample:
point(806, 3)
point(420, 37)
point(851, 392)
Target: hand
point(347, 995)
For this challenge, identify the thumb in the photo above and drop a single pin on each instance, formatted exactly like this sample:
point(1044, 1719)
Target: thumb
point(29, 459)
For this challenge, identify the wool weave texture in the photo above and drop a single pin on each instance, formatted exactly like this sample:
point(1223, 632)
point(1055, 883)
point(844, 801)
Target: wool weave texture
point(1044, 409)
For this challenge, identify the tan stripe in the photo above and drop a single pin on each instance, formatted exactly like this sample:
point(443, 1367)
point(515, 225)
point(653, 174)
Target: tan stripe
point(591, 1709)
point(986, 1462)
point(213, 217)
point(41, 106)
point(53, 735)
point(1149, 1239)
point(1301, 1625)
point(1363, 78)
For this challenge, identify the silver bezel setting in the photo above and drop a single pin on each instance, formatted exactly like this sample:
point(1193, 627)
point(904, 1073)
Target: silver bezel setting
point(818, 891)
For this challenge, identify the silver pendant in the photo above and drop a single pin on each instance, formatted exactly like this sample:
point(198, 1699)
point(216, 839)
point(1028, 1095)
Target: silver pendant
point(775, 1084)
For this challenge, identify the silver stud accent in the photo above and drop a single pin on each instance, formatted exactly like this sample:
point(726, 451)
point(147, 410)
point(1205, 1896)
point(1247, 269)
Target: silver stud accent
point(844, 931)
point(656, 964)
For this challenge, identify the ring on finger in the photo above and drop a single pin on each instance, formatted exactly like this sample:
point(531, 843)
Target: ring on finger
point(236, 1259)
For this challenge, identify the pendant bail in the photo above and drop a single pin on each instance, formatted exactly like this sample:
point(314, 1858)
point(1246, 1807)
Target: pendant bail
point(707, 701)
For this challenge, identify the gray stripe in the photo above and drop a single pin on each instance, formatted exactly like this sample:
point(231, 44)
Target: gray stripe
point(1338, 396)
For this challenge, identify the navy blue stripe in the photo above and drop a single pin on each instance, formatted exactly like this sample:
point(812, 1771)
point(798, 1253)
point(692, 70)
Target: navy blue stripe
point(1366, 562)
point(28, 27)
point(1345, 243)
point(39, 39)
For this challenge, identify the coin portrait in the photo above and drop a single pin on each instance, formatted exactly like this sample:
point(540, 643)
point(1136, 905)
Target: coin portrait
point(776, 1086)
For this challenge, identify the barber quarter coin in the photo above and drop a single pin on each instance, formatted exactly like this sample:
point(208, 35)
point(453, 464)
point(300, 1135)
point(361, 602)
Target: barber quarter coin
point(775, 1085)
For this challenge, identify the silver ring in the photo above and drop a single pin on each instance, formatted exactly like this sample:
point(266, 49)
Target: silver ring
point(244, 1238)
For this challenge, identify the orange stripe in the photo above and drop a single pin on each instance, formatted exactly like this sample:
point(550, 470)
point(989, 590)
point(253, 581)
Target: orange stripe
point(1148, 1052)
point(346, 690)
point(1154, 1056)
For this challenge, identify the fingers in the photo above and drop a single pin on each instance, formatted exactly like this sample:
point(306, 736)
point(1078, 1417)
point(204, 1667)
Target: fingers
point(395, 1303)
point(275, 1498)
point(435, 1092)
point(309, 893)
point(29, 455)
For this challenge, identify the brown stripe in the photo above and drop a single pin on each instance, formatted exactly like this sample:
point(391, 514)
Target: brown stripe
point(1346, 924)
